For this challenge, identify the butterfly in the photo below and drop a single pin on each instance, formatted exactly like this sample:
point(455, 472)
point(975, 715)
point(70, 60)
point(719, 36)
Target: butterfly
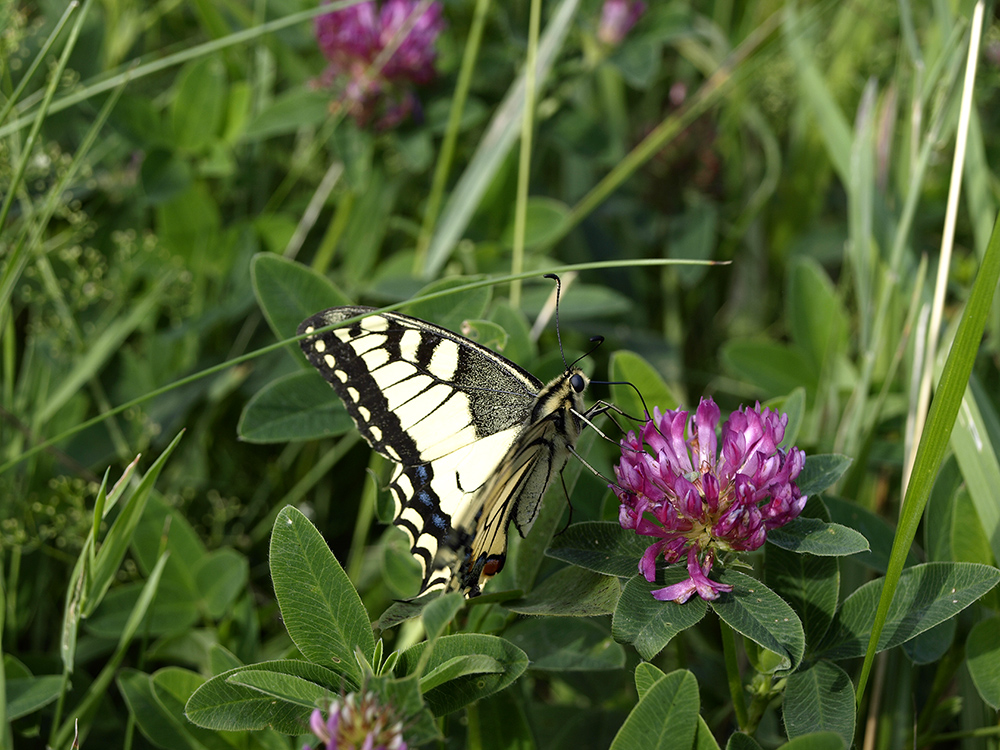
point(475, 438)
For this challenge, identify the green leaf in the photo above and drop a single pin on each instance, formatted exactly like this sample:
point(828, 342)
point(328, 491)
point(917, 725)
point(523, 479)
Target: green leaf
point(773, 368)
point(637, 60)
point(925, 595)
point(646, 675)
point(221, 660)
point(457, 693)
point(874, 528)
point(441, 611)
point(544, 222)
point(452, 310)
point(485, 332)
point(289, 112)
point(982, 649)
point(932, 644)
point(398, 567)
point(401, 611)
point(299, 406)
point(199, 104)
point(518, 345)
point(578, 302)
point(952, 528)
point(289, 292)
point(815, 741)
point(459, 666)
point(283, 687)
point(371, 215)
point(355, 147)
point(25, 695)
point(241, 97)
point(499, 723)
point(404, 696)
point(172, 687)
point(570, 592)
point(666, 716)
point(151, 717)
point(704, 739)
point(816, 316)
point(633, 368)
point(556, 644)
point(818, 538)
point(320, 607)
point(752, 609)
point(740, 741)
point(809, 584)
point(978, 456)
point(693, 233)
point(601, 546)
point(220, 577)
point(164, 174)
point(820, 698)
point(821, 471)
point(649, 624)
point(173, 611)
point(222, 703)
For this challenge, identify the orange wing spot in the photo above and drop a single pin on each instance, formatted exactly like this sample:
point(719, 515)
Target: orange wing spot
point(493, 566)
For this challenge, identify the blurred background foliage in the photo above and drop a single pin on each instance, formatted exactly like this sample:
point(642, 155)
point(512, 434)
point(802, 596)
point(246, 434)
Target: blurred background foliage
point(808, 145)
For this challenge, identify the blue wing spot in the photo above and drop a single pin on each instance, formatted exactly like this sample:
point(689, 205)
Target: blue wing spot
point(422, 473)
point(424, 498)
point(439, 521)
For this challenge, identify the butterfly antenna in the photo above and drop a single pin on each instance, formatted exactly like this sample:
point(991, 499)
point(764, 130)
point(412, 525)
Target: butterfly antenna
point(596, 341)
point(558, 334)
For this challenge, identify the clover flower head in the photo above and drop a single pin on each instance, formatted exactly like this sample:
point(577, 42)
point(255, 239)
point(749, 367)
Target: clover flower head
point(617, 19)
point(377, 54)
point(702, 494)
point(357, 722)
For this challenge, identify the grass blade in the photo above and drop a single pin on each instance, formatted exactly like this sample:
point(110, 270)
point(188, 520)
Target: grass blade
point(937, 433)
point(495, 145)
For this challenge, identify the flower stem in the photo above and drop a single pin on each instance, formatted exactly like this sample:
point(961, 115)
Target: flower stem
point(758, 705)
point(733, 675)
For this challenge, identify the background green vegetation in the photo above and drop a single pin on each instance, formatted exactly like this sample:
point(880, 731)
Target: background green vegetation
point(150, 212)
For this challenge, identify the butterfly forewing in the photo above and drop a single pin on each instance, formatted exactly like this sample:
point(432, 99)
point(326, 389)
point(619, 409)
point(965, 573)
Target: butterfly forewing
point(475, 438)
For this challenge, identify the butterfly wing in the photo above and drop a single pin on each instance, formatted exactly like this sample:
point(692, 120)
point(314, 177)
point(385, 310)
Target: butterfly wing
point(446, 410)
point(514, 490)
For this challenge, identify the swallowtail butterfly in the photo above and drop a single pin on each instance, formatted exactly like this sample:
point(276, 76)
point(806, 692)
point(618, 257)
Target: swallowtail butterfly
point(475, 438)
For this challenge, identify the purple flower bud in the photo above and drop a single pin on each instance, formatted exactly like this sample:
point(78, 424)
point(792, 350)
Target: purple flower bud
point(617, 19)
point(356, 716)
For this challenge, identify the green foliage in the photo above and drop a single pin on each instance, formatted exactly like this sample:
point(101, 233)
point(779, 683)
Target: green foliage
point(166, 224)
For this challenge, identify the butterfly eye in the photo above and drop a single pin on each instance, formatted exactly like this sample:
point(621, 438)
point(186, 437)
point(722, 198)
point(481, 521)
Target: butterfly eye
point(577, 383)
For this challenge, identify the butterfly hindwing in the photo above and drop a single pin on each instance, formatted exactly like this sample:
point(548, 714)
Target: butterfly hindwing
point(475, 438)
point(515, 490)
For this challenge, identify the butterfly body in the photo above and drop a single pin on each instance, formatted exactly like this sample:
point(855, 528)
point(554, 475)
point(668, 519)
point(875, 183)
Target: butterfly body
point(475, 438)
